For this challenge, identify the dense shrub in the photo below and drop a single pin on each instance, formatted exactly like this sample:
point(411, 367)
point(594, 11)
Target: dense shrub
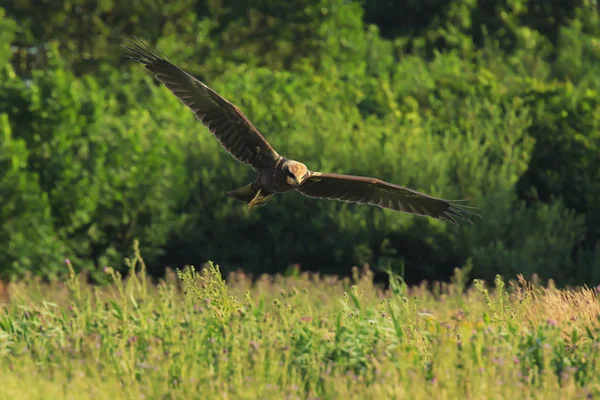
point(480, 103)
point(104, 175)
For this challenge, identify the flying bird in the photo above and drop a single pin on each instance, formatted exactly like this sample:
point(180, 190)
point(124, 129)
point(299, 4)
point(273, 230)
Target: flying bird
point(277, 174)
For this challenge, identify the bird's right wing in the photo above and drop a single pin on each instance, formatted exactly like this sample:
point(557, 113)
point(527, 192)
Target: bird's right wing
point(363, 190)
point(229, 125)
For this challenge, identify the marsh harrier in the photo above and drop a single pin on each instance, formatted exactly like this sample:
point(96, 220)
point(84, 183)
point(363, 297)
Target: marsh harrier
point(277, 174)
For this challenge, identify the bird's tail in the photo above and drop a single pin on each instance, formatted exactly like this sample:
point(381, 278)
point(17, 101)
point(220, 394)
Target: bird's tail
point(251, 195)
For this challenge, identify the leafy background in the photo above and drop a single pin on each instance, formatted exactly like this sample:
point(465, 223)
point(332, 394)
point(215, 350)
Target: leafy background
point(497, 102)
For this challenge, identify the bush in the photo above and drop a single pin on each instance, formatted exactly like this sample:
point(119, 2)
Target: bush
point(488, 104)
point(106, 175)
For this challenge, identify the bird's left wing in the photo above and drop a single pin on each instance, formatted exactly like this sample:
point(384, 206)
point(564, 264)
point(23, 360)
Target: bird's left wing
point(364, 190)
point(229, 125)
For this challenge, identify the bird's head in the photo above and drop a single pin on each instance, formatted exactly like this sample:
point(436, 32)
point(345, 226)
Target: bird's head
point(295, 173)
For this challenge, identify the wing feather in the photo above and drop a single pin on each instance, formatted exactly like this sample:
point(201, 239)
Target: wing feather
point(372, 191)
point(223, 119)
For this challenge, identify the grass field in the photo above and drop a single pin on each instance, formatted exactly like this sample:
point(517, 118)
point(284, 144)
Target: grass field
point(192, 336)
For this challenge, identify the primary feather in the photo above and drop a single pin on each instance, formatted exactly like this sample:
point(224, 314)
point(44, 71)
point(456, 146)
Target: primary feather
point(227, 123)
point(372, 191)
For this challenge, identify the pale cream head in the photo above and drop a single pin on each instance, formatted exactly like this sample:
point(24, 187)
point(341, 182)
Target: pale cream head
point(296, 172)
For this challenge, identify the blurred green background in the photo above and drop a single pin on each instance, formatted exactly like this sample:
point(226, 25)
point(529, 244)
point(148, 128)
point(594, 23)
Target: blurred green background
point(495, 101)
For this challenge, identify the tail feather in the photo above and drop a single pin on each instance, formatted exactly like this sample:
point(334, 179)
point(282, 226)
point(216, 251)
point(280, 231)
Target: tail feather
point(245, 194)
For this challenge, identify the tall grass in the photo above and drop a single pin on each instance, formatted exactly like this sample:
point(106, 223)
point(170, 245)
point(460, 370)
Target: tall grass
point(194, 336)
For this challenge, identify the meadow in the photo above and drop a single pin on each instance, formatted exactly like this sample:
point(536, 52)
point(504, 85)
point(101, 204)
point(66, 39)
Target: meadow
point(301, 336)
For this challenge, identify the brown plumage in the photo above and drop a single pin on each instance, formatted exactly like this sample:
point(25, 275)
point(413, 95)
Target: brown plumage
point(277, 174)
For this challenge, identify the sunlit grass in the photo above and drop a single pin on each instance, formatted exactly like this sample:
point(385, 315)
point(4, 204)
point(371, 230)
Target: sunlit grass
point(193, 336)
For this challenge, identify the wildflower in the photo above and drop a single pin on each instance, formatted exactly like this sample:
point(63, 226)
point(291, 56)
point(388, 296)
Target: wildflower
point(552, 322)
point(132, 339)
point(306, 319)
point(459, 316)
point(67, 261)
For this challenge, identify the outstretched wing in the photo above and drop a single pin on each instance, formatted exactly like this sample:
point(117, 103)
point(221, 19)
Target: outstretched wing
point(363, 190)
point(229, 125)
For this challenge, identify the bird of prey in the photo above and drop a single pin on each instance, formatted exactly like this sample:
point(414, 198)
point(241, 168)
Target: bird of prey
point(277, 174)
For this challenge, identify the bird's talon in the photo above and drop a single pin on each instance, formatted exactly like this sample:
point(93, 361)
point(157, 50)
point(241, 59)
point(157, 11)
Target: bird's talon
point(255, 199)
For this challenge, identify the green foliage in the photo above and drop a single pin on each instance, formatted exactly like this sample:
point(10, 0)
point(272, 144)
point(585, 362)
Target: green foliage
point(8, 27)
point(494, 102)
point(27, 233)
point(572, 112)
point(210, 288)
point(97, 173)
point(89, 32)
